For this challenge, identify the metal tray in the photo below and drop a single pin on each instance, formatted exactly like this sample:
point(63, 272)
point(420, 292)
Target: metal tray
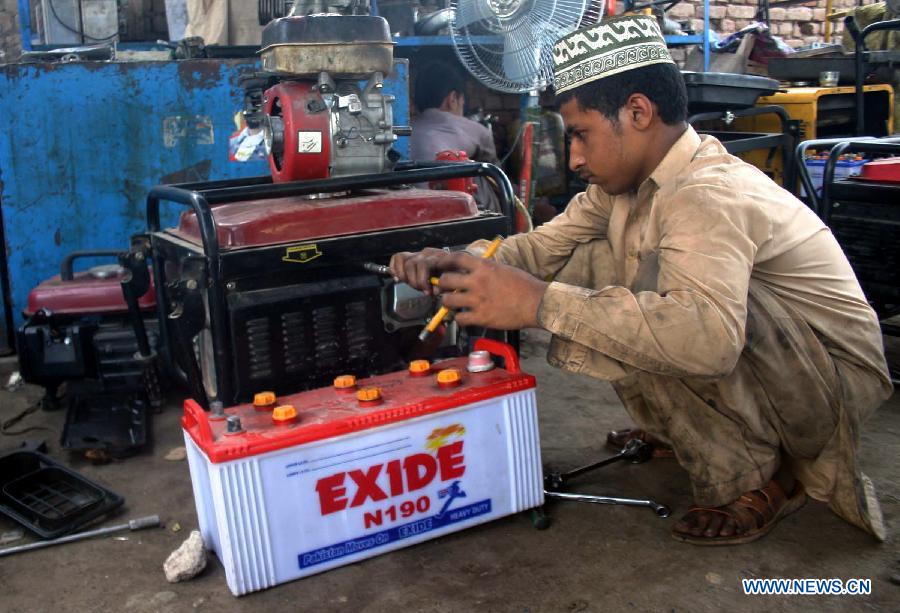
point(116, 422)
point(48, 498)
point(809, 68)
point(719, 91)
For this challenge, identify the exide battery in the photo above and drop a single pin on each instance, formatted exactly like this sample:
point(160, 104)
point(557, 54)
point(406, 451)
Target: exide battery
point(288, 487)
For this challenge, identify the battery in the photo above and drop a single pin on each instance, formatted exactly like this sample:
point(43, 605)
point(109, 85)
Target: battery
point(296, 485)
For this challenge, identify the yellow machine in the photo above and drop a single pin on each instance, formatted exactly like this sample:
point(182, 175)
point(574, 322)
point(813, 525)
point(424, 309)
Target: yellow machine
point(823, 112)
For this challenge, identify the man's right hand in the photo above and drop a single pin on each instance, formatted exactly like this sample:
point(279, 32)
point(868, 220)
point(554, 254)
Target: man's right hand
point(417, 268)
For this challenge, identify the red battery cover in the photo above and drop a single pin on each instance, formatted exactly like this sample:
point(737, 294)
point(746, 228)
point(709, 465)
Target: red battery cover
point(326, 412)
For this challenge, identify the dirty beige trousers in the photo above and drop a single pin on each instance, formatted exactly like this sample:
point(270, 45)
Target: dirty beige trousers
point(787, 401)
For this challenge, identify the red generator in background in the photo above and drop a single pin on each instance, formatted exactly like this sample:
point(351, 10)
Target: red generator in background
point(81, 342)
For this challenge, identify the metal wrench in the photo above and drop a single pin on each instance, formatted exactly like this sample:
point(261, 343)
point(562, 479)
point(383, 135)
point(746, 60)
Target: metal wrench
point(660, 509)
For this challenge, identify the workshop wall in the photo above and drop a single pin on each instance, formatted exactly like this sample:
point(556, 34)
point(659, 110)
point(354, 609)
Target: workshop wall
point(10, 40)
point(796, 25)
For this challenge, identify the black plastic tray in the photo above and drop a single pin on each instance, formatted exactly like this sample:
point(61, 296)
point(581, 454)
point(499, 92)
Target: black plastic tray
point(115, 422)
point(808, 68)
point(719, 91)
point(47, 498)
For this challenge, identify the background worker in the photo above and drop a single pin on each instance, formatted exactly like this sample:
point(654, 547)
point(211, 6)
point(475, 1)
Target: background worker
point(720, 307)
point(442, 126)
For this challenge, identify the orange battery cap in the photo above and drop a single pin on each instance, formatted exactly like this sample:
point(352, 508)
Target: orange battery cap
point(419, 368)
point(345, 383)
point(449, 377)
point(264, 401)
point(369, 395)
point(284, 414)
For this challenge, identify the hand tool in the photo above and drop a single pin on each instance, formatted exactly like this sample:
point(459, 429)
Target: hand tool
point(150, 521)
point(444, 311)
point(635, 451)
point(380, 269)
point(660, 509)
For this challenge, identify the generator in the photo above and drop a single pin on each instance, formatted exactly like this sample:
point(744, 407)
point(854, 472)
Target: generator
point(81, 334)
point(261, 283)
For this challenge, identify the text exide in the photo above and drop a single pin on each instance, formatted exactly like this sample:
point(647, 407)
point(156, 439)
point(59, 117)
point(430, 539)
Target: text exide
point(403, 476)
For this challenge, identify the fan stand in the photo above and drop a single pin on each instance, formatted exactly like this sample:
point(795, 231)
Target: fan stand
point(635, 451)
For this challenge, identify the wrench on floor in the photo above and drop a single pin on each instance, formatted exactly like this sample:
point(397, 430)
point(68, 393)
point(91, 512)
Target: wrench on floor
point(660, 509)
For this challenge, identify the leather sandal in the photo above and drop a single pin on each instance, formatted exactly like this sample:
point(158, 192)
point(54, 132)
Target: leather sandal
point(754, 514)
point(617, 439)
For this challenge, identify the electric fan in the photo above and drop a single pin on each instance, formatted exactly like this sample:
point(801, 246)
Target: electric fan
point(508, 44)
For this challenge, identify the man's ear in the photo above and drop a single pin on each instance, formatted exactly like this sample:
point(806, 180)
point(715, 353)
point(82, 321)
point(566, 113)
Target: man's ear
point(639, 111)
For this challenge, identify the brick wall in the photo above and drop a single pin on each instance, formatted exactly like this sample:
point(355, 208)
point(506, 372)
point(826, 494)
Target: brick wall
point(10, 40)
point(797, 25)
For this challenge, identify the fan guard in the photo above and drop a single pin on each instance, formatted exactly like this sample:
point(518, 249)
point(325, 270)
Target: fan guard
point(508, 44)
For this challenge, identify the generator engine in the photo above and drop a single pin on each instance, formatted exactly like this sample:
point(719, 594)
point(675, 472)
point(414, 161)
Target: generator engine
point(261, 284)
point(324, 112)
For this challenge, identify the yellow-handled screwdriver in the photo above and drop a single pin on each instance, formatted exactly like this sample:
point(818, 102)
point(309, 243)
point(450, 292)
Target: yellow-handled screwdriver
point(444, 311)
point(380, 269)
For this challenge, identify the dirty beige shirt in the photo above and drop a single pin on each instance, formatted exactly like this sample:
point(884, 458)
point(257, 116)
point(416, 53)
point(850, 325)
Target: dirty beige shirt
point(715, 223)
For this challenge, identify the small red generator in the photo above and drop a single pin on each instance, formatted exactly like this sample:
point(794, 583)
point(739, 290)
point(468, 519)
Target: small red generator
point(80, 334)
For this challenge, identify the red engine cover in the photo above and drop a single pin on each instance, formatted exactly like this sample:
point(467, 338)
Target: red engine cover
point(307, 135)
point(269, 222)
point(85, 294)
point(885, 170)
point(464, 184)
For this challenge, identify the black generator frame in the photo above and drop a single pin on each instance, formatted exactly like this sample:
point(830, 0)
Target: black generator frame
point(217, 266)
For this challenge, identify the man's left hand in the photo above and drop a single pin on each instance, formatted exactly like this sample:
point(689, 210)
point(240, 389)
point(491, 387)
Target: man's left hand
point(493, 295)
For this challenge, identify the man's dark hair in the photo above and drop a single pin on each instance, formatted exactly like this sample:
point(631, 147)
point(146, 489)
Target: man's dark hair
point(434, 82)
point(661, 83)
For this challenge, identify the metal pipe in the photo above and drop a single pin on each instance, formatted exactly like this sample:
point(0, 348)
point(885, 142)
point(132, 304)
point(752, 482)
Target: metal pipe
point(150, 521)
point(210, 241)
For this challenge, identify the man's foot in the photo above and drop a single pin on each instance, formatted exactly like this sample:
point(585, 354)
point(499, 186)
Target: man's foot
point(617, 439)
point(746, 519)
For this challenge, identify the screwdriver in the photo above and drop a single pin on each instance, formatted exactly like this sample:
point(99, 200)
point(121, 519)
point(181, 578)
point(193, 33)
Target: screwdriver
point(444, 311)
point(380, 269)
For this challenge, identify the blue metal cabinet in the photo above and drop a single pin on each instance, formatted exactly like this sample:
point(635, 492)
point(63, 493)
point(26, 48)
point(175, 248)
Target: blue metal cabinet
point(84, 142)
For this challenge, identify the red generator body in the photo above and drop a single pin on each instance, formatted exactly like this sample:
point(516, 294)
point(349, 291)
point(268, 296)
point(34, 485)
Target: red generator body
point(78, 333)
point(261, 286)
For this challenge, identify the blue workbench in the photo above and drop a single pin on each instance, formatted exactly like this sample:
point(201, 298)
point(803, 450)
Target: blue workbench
point(82, 144)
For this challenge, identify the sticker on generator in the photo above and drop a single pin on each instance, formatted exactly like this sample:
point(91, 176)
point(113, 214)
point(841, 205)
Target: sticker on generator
point(309, 142)
point(301, 254)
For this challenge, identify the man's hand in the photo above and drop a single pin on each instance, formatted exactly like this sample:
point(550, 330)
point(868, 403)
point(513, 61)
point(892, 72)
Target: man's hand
point(492, 294)
point(416, 269)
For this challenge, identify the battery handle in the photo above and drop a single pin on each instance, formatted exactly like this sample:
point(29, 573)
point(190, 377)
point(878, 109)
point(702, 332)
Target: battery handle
point(501, 350)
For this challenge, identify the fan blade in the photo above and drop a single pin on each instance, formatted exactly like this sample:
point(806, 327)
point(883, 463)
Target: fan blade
point(468, 12)
point(521, 54)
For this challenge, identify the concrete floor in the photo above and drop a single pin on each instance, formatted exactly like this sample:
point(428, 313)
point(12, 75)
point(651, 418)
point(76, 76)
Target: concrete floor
point(593, 558)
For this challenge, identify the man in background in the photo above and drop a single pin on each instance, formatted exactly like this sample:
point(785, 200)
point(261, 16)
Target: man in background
point(442, 126)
